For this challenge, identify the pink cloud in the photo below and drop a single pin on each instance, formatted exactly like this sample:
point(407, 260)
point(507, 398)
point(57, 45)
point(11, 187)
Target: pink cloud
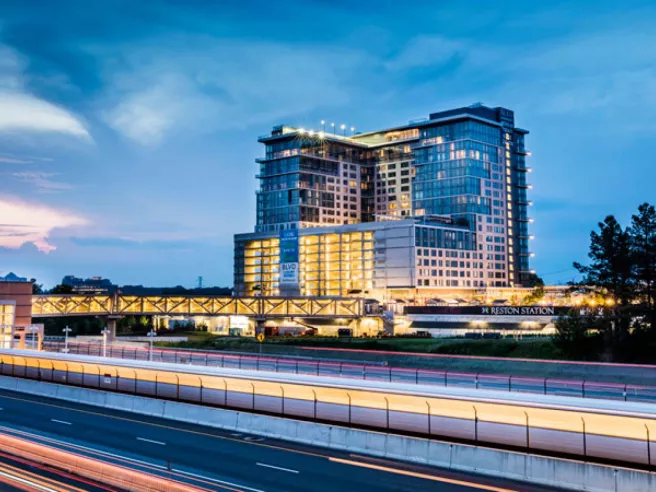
point(22, 223)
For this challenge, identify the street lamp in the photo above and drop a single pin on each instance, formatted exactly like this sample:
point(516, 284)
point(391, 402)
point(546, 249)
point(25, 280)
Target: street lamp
point(151, 335)
point(105, 333)
point(66, 331)
point(333, 125)
point(343, 127)
point(323, 125)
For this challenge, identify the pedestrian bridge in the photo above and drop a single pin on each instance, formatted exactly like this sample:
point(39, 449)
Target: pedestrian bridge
point(255, 307)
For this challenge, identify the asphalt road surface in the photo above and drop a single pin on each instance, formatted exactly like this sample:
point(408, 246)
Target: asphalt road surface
point(219, 460)
point(17, 474)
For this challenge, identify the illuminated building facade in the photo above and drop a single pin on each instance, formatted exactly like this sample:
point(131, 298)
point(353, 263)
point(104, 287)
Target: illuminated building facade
point(7, 320)
point(462, 170)
point(361, 258)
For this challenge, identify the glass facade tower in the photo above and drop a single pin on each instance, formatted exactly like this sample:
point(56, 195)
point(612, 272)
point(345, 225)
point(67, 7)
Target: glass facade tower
point(467, 164)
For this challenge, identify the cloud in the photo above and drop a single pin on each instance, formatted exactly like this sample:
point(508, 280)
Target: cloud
point(13, 160)
point(24, 112)
point(217, 84)
point(25, 223)
point(134, 244)
point(42, 181)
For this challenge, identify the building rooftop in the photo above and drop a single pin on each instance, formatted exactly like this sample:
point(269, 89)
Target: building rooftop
point(497, 116)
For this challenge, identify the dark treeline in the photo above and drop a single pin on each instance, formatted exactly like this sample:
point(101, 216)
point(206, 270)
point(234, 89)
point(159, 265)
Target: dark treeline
point(620, 322)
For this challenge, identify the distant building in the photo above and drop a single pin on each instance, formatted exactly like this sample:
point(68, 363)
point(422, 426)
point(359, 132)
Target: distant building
point(15, 311)
point(12, 277)
point(92, 285)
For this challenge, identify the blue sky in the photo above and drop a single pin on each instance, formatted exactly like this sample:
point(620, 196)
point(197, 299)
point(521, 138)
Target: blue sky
point(128, 130)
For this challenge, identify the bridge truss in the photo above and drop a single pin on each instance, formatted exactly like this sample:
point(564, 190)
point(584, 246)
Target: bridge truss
point(256, 307)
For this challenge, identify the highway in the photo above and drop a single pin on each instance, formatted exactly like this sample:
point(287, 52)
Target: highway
point(220, 460)
point(17, 474)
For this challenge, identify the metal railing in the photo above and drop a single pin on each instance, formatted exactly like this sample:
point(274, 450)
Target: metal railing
point(586, 432)
point(333, 368)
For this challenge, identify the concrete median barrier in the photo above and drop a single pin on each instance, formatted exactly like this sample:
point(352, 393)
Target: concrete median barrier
point(569, 474)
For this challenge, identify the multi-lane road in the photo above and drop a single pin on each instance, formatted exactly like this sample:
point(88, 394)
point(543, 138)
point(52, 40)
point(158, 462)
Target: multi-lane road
point(219, 460)
point(18, 474)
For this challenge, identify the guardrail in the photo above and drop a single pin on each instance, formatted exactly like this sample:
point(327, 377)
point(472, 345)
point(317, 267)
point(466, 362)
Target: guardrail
point(545, 386)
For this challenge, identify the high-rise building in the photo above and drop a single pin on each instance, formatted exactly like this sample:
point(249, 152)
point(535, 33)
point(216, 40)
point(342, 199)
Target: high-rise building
point(461, 169)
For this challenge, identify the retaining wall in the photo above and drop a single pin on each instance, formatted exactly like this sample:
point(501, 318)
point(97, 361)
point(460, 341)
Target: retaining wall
point(569, 474)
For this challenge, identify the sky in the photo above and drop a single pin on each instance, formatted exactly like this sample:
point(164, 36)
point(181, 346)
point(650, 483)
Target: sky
point(128, 130)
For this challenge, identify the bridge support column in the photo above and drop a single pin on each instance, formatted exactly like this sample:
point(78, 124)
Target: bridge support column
point(259, 325)
point(111, 326)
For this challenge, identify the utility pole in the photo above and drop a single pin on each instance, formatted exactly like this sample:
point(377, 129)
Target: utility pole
point(66, 331)
point(105, 333)
point(151, 334)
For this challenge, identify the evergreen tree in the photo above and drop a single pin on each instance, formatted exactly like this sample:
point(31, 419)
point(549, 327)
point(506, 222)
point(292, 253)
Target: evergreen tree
point(643, 237)
point(611, 273)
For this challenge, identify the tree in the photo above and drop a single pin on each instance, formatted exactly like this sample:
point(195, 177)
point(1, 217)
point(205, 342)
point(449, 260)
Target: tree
point(611, 272)
point(643, 238)
point(574, 335)
point(61, 289)
point(532, 280)
point(37, 289)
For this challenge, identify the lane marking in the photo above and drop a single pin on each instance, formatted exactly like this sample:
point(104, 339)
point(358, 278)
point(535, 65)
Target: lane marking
point(423, 476)
point(61, 422)
point(152, 424)
point(216, 480)
point(288, 470)
point(151, 441)
point(50, 440)
point(131, 461)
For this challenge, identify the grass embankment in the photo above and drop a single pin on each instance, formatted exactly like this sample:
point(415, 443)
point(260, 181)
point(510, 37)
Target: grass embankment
point(530, 349)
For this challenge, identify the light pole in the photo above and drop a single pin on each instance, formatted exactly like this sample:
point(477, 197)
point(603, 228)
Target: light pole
point(66, 331)
point(105, 333)
point(151, 335)
point(333, 127)
point(343, 127)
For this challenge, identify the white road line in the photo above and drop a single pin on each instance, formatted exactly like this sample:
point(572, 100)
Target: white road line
point(288, 470)
point(151, 441)
point(223, 482)
point(61, 422)
point(79, 446)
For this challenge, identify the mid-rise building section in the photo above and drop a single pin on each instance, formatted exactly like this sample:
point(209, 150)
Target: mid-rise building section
point(452, 186)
